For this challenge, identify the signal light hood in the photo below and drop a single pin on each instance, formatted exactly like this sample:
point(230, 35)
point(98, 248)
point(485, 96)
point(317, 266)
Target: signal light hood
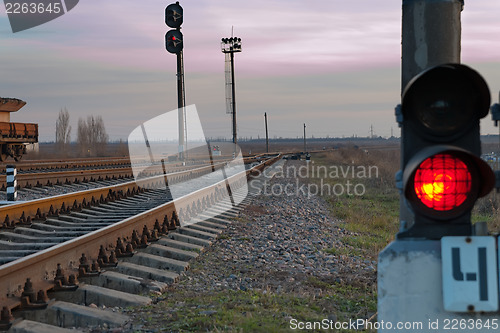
point(446, 100)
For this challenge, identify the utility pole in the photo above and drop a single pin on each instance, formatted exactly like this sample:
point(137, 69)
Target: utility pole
point(233, 92)
point(305, 146)
point(180, 105)
point(495, 116)
point(267, 134)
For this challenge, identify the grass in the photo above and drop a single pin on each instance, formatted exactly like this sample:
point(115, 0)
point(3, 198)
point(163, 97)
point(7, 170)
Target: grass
point(372, 221)
point(255, 311)
point(375, 214)
point(341, 297)
point(487, 210)
point(372, 216)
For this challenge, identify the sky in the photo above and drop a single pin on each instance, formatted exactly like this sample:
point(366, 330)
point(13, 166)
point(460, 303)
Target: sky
point(332, 64)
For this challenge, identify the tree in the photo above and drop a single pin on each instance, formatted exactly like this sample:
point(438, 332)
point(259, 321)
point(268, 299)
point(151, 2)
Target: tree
point(91, 136)
point(63, 130)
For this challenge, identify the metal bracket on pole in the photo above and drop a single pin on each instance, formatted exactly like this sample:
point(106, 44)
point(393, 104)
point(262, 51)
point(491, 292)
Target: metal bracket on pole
point(399, 114)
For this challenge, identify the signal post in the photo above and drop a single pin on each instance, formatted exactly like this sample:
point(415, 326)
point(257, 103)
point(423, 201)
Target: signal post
point(441, 272)
point(174, 43)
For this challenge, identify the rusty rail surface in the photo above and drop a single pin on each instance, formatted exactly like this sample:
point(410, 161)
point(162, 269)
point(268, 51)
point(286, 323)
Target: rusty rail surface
point(42, 267)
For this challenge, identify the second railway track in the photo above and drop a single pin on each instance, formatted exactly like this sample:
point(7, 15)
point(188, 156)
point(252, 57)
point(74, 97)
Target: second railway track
point(40, 174)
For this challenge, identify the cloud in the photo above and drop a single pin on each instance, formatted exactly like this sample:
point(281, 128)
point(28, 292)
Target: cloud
point(333, 64)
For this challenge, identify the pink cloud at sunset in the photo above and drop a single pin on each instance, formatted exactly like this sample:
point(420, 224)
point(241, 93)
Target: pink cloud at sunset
point(301, 61)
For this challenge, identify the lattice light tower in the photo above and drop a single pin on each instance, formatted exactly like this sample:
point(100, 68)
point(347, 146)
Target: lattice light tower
point(229, 46)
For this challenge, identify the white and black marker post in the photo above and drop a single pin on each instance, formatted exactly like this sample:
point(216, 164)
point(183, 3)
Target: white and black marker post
point(11, 183)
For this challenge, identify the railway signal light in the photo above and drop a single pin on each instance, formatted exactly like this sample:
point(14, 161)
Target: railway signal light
point(174, 15)
point(173, 41)
point(443, 174)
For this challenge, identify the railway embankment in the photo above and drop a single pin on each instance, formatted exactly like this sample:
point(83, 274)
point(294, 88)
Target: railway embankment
point(283, 261)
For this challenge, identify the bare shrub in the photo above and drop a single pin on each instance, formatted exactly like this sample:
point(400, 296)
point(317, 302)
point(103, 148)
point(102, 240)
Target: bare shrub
point(91, 136)
point(63, 131)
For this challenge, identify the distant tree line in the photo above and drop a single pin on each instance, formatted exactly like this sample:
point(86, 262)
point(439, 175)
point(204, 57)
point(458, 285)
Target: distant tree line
point(91, 134)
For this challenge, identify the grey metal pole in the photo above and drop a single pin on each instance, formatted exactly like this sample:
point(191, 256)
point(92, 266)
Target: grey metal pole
point(180, 104)
point(267, 134)
point(235, 140)
point(431, 33)
point(305, 149)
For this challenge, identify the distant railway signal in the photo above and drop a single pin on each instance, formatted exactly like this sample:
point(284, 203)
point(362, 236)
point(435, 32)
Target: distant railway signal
point(174, 15)
point(173, 41)
point(443, 174)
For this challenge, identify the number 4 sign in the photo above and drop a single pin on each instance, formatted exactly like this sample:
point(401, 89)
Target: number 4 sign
point(470, 281)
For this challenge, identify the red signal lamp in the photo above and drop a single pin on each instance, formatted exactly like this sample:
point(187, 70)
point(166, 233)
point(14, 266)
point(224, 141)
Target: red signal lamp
point(173, 41)
point(444, 182)
point(442, 174)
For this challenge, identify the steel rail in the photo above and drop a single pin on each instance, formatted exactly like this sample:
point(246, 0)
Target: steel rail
point(71, 176)
point(66, 163)
point(67, 177)
point(28, 165)
point(40, 208)
point(41, 267)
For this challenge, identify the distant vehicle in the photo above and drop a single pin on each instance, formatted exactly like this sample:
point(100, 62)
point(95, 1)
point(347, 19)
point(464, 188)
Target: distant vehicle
point(14, 137)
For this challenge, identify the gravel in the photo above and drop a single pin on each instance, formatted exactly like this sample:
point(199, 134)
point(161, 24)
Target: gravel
point(275, 245)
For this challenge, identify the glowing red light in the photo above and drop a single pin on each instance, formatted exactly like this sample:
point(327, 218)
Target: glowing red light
point(442, 182)
point(173, 37)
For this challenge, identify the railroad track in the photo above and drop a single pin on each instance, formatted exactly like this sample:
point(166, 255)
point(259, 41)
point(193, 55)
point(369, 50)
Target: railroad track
point(90, 164)
point(59, 165)
point(37, 175)
point(97, 237)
